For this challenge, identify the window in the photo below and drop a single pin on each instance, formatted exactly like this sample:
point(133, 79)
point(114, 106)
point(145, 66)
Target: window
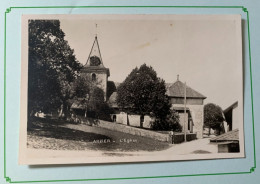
point(94, 77)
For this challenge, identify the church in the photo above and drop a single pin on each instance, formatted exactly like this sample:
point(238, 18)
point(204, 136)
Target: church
point(95, 70)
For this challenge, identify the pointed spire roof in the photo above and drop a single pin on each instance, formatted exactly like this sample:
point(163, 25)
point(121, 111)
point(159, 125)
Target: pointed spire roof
point(95, 55)
point(94, 62)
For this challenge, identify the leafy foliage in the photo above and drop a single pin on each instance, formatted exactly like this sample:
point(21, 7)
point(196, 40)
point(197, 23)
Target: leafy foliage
point(143, 93)
point(92, 97)
point(96, 105)
point(111, 87)
point(52, 66)
point(96, 98)
point(81, 87)
point(172, 122)
point(213, 116)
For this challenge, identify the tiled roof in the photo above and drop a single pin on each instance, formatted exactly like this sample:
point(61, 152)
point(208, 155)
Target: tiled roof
point(112, 100)
point(177, 90)
point(229, 136)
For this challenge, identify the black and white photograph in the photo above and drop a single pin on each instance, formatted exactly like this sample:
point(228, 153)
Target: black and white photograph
point(130, 88)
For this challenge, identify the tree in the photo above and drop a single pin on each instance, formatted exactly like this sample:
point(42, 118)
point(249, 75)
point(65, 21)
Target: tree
point(97, 104)
point(171, 122)
point(143, 93)
point(96, 99)
point(81, 87)
point(111, 87)
point(213, 117)
point(52, 67)
point(92, 97)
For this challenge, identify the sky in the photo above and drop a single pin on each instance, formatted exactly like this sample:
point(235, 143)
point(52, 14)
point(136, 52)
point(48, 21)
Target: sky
point(205, 51)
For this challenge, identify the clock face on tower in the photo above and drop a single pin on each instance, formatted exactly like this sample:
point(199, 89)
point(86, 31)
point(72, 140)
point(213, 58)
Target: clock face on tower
point(95, 61)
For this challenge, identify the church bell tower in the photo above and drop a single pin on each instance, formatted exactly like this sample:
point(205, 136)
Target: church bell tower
point(95, 70)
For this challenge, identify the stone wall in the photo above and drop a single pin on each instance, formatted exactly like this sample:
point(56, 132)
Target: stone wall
point(133, 130)
point(179, 137)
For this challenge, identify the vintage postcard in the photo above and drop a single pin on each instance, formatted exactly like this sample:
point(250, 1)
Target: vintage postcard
point(130, 88)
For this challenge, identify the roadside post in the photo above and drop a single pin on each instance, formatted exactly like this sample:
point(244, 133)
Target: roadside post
point(171, 133)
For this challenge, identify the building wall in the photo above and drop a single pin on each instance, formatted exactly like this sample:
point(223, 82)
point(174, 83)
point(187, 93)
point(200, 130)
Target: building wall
point(197, 114)
point(134, 120)
point(190, 101)
point(235, 120)
point(184, 118)
point(196, 111)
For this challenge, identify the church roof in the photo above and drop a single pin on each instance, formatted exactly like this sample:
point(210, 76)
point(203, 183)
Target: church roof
point(177, 90)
